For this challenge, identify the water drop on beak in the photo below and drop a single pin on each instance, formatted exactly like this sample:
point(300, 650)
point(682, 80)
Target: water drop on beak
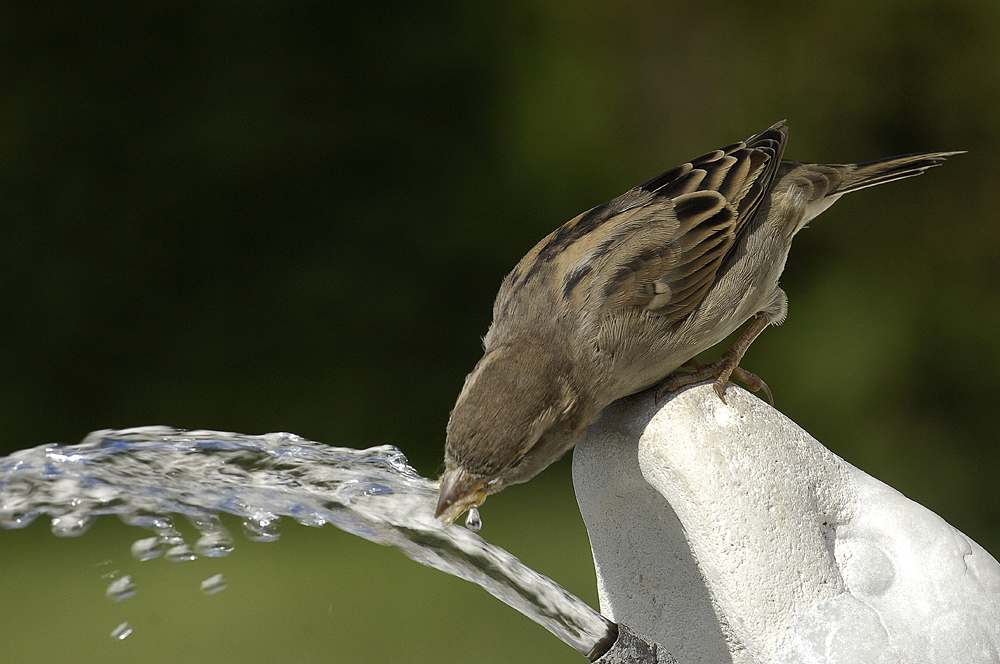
point(473, 521)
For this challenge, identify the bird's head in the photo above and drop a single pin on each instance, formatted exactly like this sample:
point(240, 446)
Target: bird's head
point(518, 411)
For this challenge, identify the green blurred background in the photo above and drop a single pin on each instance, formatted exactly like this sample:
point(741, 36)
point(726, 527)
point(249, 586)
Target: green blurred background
point(261, 216)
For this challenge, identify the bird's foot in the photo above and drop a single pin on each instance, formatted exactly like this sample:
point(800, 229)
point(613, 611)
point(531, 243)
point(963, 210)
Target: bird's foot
point(725, 368)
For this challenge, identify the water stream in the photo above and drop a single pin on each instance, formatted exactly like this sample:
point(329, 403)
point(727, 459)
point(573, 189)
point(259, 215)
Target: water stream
point(148, 474)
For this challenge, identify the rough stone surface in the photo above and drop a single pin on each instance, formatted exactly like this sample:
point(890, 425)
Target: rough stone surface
point(726, 533)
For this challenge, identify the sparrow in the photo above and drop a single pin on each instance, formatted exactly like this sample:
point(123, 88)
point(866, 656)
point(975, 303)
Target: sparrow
point(618, 299)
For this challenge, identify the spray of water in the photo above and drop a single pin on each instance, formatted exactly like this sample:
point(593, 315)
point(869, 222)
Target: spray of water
point(148, 475)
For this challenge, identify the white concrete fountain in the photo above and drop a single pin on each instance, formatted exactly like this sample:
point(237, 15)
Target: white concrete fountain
point(726, 533)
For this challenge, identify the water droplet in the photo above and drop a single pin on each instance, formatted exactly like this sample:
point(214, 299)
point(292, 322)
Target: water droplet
point(214, 544)
point(378, 490)
point(215, 540)
point(180, 553)
point(261, 527)
point(473, 521)
point(121, 632)
point(204, 522)
point(120, 589)
point(163, 526)
point(171, 540)
point(148, 548)
point(14, 520)
point(72, 525)
point(312, 520)
point(213, 584)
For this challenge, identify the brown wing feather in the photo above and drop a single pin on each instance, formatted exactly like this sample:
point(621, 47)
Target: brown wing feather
point(662, 253)
point(657, 247)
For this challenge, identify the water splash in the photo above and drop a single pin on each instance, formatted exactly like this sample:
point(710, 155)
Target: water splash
point(148, 548)
point(180, 554)
point(146, 474)
point(121, 632)
point(213, 584)
point(121, 588)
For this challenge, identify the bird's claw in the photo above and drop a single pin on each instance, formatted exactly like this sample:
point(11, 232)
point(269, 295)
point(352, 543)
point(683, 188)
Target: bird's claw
point(676, 380)
point(753, 382)
point(726, 368)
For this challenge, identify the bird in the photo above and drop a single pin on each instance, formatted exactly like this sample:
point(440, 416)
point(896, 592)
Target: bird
point(624, 296)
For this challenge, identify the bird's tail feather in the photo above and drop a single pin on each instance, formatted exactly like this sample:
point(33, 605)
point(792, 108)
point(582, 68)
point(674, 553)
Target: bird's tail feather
point(887, 169)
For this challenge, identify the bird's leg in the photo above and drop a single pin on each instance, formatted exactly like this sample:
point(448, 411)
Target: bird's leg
point(727, 366)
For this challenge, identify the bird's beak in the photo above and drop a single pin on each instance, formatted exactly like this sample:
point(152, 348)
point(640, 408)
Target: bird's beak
point(459, 492)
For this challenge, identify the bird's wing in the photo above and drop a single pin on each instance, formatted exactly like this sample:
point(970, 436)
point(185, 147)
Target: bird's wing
point(661, 244)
